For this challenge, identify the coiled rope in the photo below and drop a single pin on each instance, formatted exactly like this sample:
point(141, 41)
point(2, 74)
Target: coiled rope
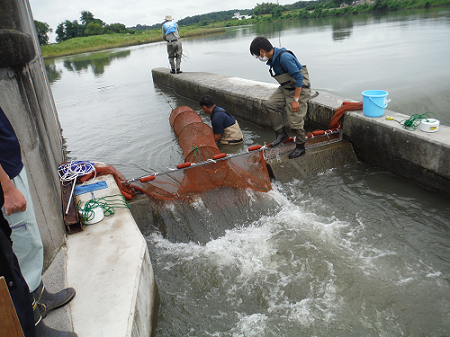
point(107, 204)
point(413, 122)
point(74, 169)
point(70, 171)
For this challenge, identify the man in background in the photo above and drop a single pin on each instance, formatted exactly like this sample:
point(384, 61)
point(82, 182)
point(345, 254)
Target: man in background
point(171, 34)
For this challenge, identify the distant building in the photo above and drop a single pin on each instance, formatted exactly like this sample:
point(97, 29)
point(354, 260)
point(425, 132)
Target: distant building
point(238, 16)
point(361, 2)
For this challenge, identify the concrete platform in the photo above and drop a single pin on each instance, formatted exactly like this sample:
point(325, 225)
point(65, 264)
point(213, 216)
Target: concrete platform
point(421, 157)
point(109, 266)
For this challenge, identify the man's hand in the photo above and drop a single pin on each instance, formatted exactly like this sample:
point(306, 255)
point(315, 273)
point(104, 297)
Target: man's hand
point(14, 199)
point(295, 106)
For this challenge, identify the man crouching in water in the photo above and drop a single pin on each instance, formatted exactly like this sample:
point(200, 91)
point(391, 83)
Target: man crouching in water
point(225, 127)
point(293, 93)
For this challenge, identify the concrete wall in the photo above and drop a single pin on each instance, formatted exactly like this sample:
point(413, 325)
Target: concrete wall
point(26, 99)
point(415, 155)
point(108, 263)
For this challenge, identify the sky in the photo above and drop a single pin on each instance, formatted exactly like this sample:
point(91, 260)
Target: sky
point(131, 13)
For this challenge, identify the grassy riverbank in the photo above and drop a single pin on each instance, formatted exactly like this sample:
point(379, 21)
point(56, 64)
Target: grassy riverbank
point(100, 42)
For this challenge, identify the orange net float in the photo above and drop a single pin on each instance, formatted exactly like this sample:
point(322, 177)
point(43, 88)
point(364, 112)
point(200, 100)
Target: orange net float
point(183, 165)
point(219, 156)
point(148, 178)
point(254, 147)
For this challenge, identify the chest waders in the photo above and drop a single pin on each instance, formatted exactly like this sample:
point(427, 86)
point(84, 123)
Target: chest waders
point(232, 135)
point(282, 99)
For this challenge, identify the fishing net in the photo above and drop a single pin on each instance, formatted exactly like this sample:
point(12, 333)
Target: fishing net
point(205, 167)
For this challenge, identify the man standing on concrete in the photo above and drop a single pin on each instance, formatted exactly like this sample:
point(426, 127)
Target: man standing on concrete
point(293, 93)
point(19, 212)
point(225, 127)
point(171, 34)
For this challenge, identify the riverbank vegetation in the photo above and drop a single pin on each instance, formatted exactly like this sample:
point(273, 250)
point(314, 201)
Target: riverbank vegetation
point(105, 41)
point(74, 38)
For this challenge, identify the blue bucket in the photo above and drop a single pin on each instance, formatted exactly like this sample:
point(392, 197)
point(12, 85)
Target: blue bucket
point(374, 102)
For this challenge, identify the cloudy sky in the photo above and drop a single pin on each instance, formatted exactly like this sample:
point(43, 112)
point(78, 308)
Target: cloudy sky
point(131, 13)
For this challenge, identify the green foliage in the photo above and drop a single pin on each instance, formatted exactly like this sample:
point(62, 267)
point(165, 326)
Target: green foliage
point(264, 8)
point(93, 29)
point(42, 30)
point(86, 17)
point(381, 6)
point(303, 4)
point(68, 30)
point(211, 17)
point(393, 6)
point(317, 13)
point(276, 12)
point(118, 28)
point(303, 14)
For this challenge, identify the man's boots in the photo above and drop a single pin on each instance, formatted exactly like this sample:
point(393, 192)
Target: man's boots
point(43, 330)
point(298, 151)
point(282, 136)
point(48, 301)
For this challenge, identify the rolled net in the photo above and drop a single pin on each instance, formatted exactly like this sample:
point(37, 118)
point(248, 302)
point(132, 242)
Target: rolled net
point(207, 172)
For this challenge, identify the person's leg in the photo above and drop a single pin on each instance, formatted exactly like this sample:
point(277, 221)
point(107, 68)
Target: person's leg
point(297, 122)
point(43, 330)
point(274, 105)
point(22, 303)
point(179, 53)
point(297, 119)
point(27, 243)
point(171, 53)
point(28, 247)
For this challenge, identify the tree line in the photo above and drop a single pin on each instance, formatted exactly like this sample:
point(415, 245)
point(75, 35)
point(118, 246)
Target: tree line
point(88, 26)
point(266, 11)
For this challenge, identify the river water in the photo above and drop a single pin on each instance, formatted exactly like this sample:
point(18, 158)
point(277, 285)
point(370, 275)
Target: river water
point(354, 251)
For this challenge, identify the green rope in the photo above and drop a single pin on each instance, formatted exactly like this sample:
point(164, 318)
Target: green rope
point(195, 152)
point(413, 122)
point(107, 204)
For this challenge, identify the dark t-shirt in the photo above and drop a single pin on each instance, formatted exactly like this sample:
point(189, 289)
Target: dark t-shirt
point(10, 156)
point(220, 120)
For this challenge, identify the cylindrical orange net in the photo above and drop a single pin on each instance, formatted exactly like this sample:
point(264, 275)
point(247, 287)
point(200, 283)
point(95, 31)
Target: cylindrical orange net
point(196, 140)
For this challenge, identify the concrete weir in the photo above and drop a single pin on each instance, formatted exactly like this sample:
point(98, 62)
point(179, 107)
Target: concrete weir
point(419, 156)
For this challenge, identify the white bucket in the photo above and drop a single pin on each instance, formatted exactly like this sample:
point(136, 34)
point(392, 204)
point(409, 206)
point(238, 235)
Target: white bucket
point(429, 125)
